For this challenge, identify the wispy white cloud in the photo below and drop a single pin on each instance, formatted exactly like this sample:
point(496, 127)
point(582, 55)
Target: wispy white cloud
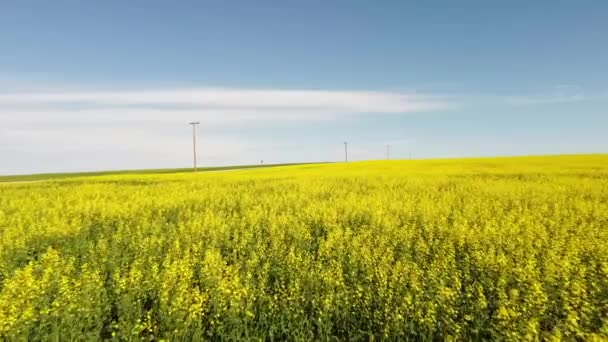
point(121, 116)
point(557, 94)
point(562, 93)
point(248, 99)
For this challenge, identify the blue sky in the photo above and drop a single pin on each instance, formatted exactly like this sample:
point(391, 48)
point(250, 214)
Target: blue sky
point(112, 85)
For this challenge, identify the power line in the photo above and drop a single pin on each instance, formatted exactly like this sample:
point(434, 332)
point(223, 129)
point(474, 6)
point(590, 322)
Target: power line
point(194, 123)
point(346, 152)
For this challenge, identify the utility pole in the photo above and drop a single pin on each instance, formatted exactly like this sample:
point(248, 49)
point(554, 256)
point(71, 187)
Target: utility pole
point(346, 152)
point(194, 123)
point(388, 149)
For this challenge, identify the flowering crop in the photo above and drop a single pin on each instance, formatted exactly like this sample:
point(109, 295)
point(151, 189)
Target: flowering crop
point(494, 248)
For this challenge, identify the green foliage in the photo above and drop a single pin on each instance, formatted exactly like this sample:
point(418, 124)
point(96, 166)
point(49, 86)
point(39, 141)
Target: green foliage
point(470, 249)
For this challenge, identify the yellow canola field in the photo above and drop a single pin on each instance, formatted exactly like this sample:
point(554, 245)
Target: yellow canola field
point(492, 248)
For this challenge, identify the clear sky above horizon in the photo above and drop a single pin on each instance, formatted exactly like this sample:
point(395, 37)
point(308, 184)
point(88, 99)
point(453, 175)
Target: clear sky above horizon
point(113, 84)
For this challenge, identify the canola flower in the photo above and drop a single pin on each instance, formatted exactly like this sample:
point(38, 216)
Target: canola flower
point(493, 248)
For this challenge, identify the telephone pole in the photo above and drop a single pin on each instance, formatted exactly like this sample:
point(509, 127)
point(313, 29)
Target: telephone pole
point(346, 152)
point(194, 123)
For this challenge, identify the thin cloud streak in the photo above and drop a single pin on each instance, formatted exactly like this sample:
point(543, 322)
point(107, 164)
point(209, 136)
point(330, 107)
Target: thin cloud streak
point(339, 101)
point(209, 117)
point(559, 94)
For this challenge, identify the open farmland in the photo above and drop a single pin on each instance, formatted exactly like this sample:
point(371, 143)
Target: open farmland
point(495, 248)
